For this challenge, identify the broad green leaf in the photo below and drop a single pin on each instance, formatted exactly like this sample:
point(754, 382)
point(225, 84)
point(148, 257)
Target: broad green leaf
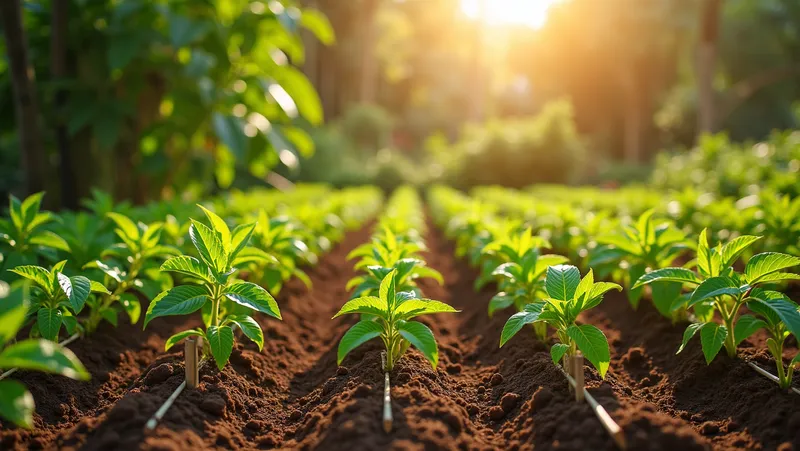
point(783, 308)
point(97, 287)
point(189, 266)
point(70, 323)
point(779, 277)
point(220, 340)
point(690, 331)
point(131, 305)
point(561, 281)
point(110, 315)
point(664, 296)
point(370, 305)
point(51, 240)
point(180, 300)
point(500, 301)
point(594, 345)
point(387, 290)
point(704, 262)
point(766, 263)
point(49, 322)
point(30, 208)
point(43, 355)
point(177, 338)
point(13, 309)
point(417, 307)
point(557, 351)
point(250, 328)
point(317, 23)
point(428, 272)
point(220, 226)
point(37, 274)
point(584, 287)
point(682, 275)
point(125, 225)
point(421, 337)
point(253, 296)
point(529, 314)
point(208, 245)
point(240, 237)
point(596, 293)
point(360, 333)
point(712, 337)
point(735, 247)
point(746, 325)
point(76, 289)
point(16, 403)
point(713, 287)
point(635, 294)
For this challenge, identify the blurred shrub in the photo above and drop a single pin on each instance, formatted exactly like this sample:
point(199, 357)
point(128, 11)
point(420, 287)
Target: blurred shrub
point(719, 166)
point(545, 148)
point(367, 126)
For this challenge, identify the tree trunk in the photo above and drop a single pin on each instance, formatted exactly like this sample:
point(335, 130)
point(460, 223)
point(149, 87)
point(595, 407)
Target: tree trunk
point(706, 60)
point(32, 156)
point(58, 58)
point(369, 62)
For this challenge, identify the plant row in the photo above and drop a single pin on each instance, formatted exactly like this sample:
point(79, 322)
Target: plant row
point(686, 278)
point(227, 267)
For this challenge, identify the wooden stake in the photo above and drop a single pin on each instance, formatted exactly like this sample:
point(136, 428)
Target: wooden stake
point(191, 348)
point(387, 397)
point(770, 376)
point(577, 374)
point(613, 429)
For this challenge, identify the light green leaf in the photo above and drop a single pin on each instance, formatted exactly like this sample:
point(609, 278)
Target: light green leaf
point(690, 332)
point(712, 337)
point(189, 266)
point(132, 306)
point(208, 245)
point(97, 287)
point(43, 355)
point(30, 207)
point(596, 293)
point(421, 337)
point(387, 289)
point(557, 351)
point(735, 247)
point(713, 287)
point(180, 300)
point(51, 240)
point(360, 333)
point(779, 277)
point(253, 296)
point(500, 301)
point(682, 275)
point(529, 314)
point(16, 403)
point(76, 289)
point(177, 338)
point(220, 226)
point(250, 328)
point(13, 309)
point(125, 225)
point(37, 274)
point(417, 307)
point(370, 305)
point(561, 281)
point(766, 263)
point(783, 308)
point(317, 23)
point(49, 322)
point(240, 237)
point(428, 272)
point(220, 340)
point(594, 345)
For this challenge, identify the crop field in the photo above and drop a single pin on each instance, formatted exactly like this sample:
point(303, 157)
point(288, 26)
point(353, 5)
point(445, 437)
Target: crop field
point(473, 301)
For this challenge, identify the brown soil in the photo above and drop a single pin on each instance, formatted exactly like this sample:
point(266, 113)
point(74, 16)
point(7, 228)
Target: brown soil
point(293, 396)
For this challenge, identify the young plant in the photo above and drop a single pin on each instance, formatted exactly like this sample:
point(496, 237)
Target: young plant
point(56, 298)
point(644, 246)
point(719, 288)
point(129, 266)
point(390, 252)
point(23, 237)
point(767, 304)
point(389, 317)
point(16, 403)
point(567, 295)
point(225, 301)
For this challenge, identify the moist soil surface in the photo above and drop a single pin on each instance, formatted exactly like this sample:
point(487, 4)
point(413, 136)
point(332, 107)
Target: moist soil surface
point(292, 395)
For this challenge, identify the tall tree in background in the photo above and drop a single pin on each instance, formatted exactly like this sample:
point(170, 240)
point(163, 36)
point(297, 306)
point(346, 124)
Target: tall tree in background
point(706, 65)
point(25, 103)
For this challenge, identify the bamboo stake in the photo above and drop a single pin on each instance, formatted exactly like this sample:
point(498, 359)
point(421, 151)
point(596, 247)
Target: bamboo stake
point(192, 365)
point(770, 376)
point(63, 343)
point(387, 397)
point(577, 373)
point(613, 429)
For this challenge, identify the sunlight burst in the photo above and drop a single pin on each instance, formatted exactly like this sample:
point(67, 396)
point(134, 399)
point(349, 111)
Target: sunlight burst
point(532, 13)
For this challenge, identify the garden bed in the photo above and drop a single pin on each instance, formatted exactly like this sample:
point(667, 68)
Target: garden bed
point(292, 395)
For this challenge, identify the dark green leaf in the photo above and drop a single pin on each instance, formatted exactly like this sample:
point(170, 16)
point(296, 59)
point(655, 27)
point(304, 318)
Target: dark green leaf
point(220, 340)
point(360, 333)
point(253, 296)
point(421, 337)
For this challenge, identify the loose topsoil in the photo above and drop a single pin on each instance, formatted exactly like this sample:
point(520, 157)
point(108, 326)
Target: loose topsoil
point(292, 395)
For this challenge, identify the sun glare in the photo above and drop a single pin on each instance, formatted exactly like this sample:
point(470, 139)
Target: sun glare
point(532, 13)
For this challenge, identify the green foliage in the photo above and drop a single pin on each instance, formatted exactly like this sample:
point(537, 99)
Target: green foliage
point(23, 236)
point(16, 403)
point(718, 289)
point(211, 286)
point(389, 317)
point(565, 296)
